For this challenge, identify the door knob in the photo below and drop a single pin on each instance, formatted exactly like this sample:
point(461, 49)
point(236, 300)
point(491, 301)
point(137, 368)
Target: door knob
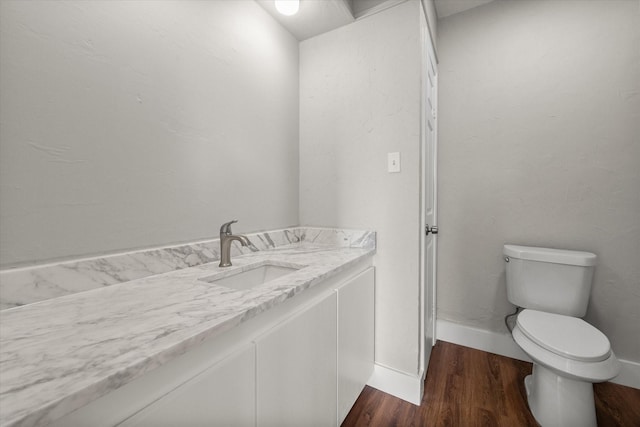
point(432, 230)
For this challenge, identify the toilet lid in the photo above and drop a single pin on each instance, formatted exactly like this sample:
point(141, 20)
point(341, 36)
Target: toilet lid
point(566, 336)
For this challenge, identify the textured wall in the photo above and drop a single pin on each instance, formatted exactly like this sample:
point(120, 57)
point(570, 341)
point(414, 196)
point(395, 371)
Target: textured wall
point(540, 145)
point(359, 100)
point(134, 123)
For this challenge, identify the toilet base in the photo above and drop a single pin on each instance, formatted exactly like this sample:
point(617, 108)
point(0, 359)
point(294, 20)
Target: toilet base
point(557, 401)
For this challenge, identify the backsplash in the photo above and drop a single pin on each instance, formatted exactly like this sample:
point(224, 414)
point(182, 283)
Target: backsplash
point(27, 285)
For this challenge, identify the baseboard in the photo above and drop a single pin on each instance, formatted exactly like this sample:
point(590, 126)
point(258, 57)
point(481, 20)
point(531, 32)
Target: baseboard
point(503, 344)
point(481, 339)
point(629, 374)
point(399, 384)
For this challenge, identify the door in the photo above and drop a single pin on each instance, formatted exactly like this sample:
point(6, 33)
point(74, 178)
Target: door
point(428, 242)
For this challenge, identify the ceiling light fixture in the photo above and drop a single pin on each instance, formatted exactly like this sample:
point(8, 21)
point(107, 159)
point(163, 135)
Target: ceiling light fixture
point(287, 7)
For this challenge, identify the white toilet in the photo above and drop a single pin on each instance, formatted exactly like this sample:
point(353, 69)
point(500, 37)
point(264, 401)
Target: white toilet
point(553, 287)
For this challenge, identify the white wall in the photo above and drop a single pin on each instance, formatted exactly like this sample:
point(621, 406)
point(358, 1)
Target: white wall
point(359, 100)
point(133, 123)
point(540, 145)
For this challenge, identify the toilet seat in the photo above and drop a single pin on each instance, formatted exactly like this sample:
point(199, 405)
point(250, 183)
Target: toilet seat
point(575, 369)
point(566, 336)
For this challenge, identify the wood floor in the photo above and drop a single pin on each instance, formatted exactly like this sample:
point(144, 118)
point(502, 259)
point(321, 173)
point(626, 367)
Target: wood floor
point(467, 387)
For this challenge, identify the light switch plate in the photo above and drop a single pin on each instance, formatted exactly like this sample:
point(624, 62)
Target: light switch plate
point(393, 162)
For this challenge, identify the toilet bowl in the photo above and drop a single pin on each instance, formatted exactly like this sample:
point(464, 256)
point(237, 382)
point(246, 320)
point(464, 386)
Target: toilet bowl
point(568, 354)
point(566, 345)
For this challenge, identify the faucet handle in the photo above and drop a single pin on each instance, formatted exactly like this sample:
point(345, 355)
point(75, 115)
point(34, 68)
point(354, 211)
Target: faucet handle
point(226, 227)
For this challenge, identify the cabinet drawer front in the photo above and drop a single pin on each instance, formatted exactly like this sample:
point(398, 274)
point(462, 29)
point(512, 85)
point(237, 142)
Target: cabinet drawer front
point(223, 395)
point(355, 339)
point(297, 369)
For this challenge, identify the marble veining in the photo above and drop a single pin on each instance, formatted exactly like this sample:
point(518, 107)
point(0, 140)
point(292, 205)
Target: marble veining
point(32, 284)
point(62, 353)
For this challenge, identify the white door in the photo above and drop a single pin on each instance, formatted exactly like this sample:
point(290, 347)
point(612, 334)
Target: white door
point(429, 142)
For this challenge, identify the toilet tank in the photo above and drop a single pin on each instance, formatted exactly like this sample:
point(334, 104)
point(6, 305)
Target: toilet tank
point(551, 280)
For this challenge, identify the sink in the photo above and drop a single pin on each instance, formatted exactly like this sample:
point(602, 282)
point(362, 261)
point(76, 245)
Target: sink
point(252, 276)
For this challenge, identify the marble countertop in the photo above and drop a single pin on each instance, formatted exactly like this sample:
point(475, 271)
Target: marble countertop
point(58, 355)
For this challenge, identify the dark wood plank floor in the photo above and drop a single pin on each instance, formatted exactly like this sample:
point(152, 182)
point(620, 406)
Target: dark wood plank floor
point(467, 387)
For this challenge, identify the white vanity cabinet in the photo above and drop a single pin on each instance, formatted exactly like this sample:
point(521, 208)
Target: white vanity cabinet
point(297, 369)
point(301, 363)
point(312, 368)
point(212, 385)
point(222, 395)
point(355, 338)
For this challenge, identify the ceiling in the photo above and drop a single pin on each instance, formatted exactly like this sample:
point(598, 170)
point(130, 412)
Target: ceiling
point(314, 17)
point(319, 16)
point(449, 7)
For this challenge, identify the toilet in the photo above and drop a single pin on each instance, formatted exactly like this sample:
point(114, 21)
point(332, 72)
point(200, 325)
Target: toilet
point(569, 354)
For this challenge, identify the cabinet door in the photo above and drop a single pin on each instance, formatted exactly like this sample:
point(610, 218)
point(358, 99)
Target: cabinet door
point(296, 369)
point(355, 339)
point(223, 395)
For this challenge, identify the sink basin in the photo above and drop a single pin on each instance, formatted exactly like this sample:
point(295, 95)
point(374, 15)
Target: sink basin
point(253, 276)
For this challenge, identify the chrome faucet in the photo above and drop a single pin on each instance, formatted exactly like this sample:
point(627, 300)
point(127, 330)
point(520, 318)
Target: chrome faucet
point(226, 237)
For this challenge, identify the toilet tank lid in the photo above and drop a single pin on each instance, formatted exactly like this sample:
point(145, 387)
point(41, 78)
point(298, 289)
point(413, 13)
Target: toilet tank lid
point(557, 256)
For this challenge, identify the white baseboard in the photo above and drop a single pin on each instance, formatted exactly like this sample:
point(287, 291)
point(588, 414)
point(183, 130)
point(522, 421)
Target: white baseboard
point(503, 344)
point(480, 339)
point(629, 374)
point(399, 384)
